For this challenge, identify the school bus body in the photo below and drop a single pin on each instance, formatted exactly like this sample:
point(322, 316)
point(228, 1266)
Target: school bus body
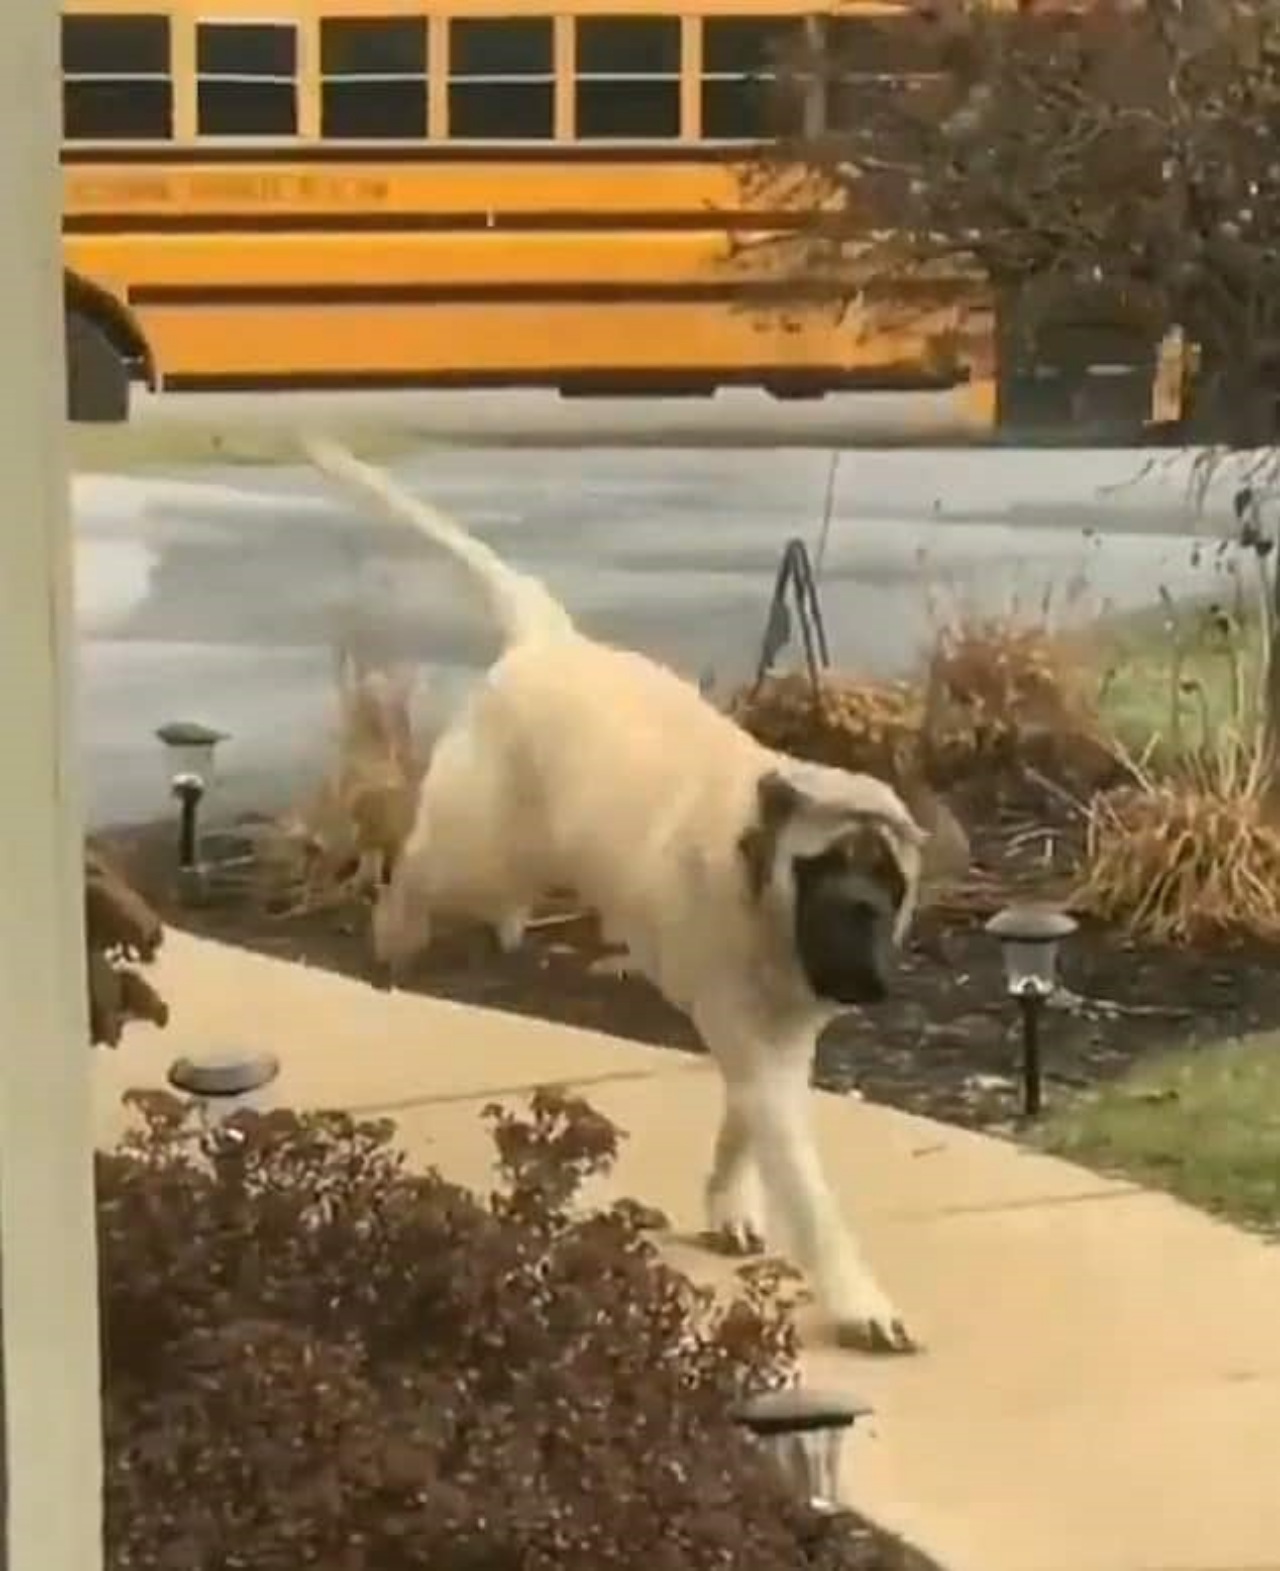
point(214, 258)
point(547, 273)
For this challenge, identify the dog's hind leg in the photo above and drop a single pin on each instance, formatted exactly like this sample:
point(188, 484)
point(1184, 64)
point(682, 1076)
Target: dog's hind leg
point(494, 937)
point(509, 929)
point(769, 1085)
point(402, 915)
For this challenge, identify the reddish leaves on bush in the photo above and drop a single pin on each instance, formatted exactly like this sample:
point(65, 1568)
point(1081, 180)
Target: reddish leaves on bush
point(121, 932)
point(315, 1356)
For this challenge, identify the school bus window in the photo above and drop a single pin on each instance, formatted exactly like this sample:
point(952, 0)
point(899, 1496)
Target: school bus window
point(115, 78)
point(373, 77)
point(628, 76)
point(246, 78)
point(501, 79)
point(741, 58)
point(875, 64)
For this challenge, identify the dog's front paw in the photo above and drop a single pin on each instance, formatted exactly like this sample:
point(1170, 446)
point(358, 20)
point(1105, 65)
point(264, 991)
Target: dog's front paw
point(871, 1324)
point(734, 1225)
point(738, 1238)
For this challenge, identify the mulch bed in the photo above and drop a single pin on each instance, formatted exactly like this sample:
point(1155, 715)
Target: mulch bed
point(945, 1045)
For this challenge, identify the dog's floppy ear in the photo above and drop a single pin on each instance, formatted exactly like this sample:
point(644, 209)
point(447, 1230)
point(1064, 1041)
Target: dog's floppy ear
point(870, 848)
point(777, 801)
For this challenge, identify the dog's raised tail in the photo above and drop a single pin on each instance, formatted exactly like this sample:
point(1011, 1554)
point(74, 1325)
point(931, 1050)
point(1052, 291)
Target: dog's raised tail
point(522, 607)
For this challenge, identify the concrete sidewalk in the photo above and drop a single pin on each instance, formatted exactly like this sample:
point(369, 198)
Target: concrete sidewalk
point(1101, 1386)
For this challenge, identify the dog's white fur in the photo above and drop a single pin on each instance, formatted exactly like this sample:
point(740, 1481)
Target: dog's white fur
point(577, 765)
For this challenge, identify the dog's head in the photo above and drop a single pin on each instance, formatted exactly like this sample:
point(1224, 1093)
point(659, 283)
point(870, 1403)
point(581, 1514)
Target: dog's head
point(835, 859)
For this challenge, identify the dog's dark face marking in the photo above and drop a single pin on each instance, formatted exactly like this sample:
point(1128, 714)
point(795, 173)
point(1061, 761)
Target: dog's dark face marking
point(847, 901)
point(847, 896)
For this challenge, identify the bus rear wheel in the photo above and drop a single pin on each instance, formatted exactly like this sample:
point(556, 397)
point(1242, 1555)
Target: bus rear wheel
point(1077, 379)
point(1107, 404)
point(97, 374)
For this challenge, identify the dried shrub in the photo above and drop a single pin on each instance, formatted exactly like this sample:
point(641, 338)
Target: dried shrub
point(1001, 700)
point(1193, 858)
point(869, 727)
point(997, 694)
point(316, 1356)
point(849, 722)
point(122, 932)
point(1005, 694)
point(342, 839)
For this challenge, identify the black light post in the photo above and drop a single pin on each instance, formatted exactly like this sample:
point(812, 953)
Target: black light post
point(189, 750)
point(1029, 937)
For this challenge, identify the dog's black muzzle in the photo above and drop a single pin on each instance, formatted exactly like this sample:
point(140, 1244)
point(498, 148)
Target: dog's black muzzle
point(844, 924)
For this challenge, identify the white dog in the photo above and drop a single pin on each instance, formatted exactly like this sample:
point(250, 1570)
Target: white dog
point(761, 894)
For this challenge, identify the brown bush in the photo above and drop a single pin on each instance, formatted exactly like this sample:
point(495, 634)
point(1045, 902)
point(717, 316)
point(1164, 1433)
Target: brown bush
point(995, 695)
point(1003, 694)
point(846, 721)
point(1193, 858)
point(122, 932)
point(868, 727)
point(316, 1357)
point(344, 836)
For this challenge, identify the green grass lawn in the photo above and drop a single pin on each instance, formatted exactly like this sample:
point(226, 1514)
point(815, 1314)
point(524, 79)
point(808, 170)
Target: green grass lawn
point(1177, 676)
point(1203, 1124)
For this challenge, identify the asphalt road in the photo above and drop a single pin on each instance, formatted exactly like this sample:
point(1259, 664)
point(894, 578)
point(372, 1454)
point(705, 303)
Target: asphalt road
point(221, 596)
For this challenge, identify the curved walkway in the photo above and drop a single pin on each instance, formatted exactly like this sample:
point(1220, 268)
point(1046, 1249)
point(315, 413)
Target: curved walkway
point(1101, 1386)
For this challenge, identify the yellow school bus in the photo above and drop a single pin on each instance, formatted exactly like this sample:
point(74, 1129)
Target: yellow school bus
point(382, 193)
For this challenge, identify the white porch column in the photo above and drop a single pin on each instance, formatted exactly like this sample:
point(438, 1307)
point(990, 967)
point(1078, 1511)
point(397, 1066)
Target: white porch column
point(47, 1253)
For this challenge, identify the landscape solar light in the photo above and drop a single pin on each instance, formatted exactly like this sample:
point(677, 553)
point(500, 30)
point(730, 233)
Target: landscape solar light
point(1029, 937)
point(805, 1431)
point(189, 750)
point(223, 1083)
